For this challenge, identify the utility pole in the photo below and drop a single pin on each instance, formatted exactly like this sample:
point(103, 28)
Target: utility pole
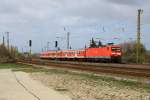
point(48, 43)
point(68, 39)
point(138, 49)
point(3, 40)
point(7, 33)
point(22, 50)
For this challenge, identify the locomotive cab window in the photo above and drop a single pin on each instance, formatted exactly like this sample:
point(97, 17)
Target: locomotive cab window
point(115, 49)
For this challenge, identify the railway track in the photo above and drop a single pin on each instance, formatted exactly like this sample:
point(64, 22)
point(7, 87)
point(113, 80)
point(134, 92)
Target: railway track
point(123, 69)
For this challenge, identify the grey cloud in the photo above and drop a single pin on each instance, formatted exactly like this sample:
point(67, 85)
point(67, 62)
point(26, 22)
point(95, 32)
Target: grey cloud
point(45, 18)
point(7, 7)
point(128, 2)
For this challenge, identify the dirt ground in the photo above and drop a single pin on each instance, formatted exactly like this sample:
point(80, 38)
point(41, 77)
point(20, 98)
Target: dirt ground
point(84, 86)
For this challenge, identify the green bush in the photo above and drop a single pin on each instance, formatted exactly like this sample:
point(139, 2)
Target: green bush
point(129, 52)
point(7, 55)
point(147, 57)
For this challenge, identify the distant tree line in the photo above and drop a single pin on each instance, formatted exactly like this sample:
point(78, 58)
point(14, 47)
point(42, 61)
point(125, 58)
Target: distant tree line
point(4, 52)
point(7, 55)
point(95, 44)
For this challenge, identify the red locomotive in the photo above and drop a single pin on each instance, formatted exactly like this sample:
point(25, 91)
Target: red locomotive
point(109, 53)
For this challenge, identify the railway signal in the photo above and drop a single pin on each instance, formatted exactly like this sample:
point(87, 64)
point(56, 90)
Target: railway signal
point(30, 45)
point(56, 44)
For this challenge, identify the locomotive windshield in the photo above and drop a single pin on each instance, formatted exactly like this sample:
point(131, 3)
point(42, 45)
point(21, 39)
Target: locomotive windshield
point(116, 49)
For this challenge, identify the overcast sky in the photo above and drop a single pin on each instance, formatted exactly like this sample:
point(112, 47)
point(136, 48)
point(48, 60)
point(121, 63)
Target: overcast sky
point(44, 20)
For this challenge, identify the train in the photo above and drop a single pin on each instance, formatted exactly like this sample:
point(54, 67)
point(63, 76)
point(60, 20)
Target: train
point(107, 53)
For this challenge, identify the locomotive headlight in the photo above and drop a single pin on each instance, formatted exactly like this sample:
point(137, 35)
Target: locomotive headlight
point(113, 53)
point(118, 53)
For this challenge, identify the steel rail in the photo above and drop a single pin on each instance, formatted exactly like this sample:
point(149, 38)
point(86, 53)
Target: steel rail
point(132, 70)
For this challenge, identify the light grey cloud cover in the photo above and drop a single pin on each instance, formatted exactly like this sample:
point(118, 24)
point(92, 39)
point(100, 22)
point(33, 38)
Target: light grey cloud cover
point(44, 20)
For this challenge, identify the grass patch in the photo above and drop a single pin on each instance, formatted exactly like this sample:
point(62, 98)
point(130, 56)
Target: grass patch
point(31, 69)
point(12, 65)
point(21, 67)
point(147, 87)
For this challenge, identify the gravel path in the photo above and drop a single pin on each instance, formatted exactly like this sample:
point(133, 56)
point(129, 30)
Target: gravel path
point(19, 86)
point(81, 87)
